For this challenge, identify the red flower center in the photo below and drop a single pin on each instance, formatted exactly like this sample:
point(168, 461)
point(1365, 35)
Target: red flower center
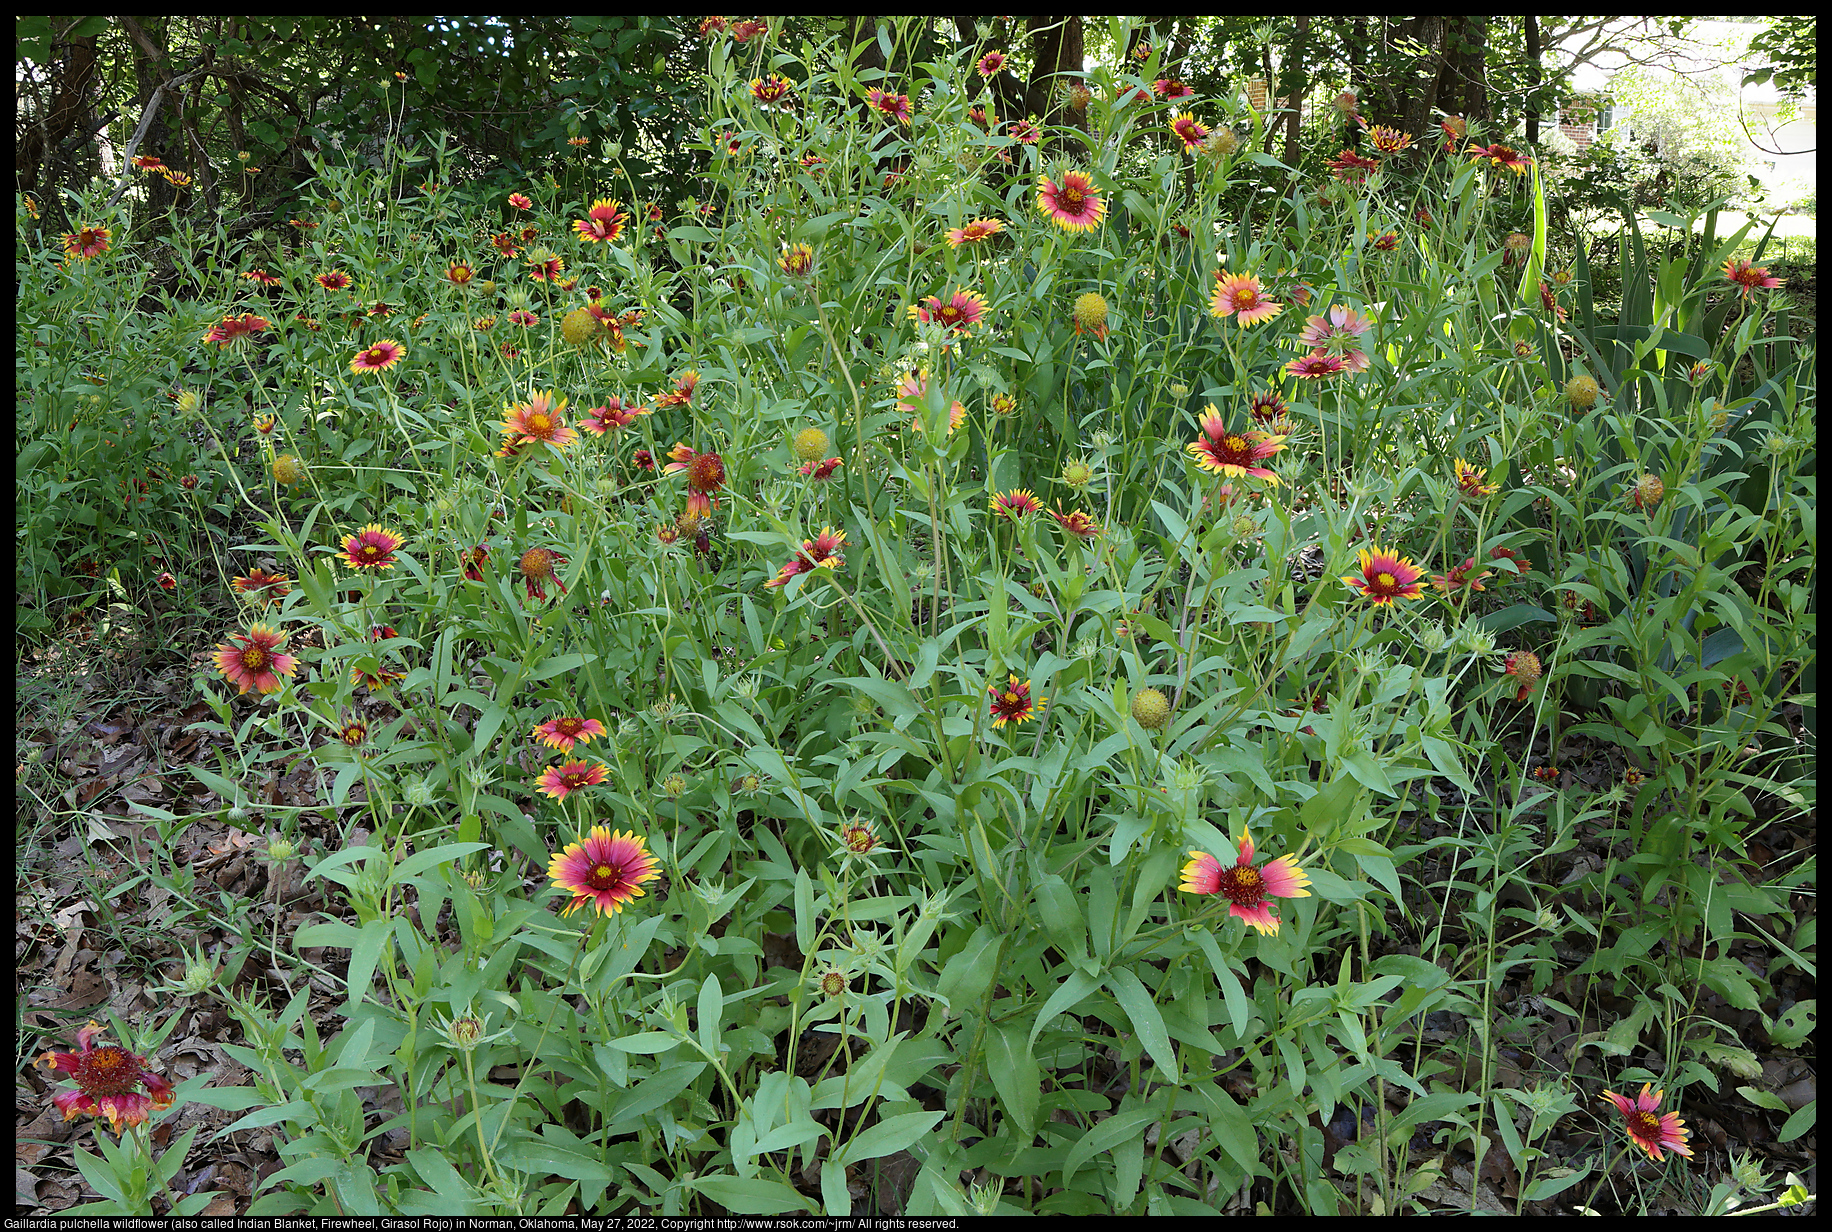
point(570, 727)
point(1243, 886)
point(109, 1070)
point(1070, 199)
point(706, 473)
point(255, 658)
point(1644, 1125)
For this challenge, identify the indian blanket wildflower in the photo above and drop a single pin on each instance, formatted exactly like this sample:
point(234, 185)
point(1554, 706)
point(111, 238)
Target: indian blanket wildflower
point(858, 837)
point(261, 586)
point(1386, 576)
point(1522, 665)
point(564, 732)
point(561, 781)
point(682, 394)
point(976, 232)
point(461, 274)
point(1502, 156)
point(1653, 1134)
point(776, 91)
point(85, 243)
point(535, 421)
point(1749, 278)
point(520, 202)
point(810, 445)
point(1011, 702)
point(896, 106)
point(991, 63)
point(1026, 132)
point(260, 277)
point(797, 260)
point(108, 1081)
point(539, 566)
point(333, 280)
point(1647, 493)
point(1247, 888)
point(237, 329)
point(705, 475)
point(960, 312)
point(1170, 89)
point(1015, 504)
point(1470, 481)
point(1388, 140)
point(371, 548)
point(1582, 391)
point(1338, 334)
point(605, 870)
point(603, 222)
point(1189, 131)
point(821, 552)
point(1241, 296)
point(612, 416)
point(1351, 168)
point(1461, 579)
point(822, 469)
point(253, 660)
point(1076, 523)
point(1074, 204)
point(1233, 454)
point(378, 358)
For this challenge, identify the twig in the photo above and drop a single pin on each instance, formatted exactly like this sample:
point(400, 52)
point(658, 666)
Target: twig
point(146, 118)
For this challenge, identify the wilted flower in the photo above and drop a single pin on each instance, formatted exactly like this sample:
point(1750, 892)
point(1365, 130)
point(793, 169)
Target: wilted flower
point(108, 1081)
point(1523, 665)
point(1582, 391)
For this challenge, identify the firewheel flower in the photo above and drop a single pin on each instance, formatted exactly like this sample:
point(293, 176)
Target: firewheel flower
point(896, 106)
point(612, 416)
point(1233, 454)
point(1316, 365)
point(1386, 576)
point(1011, 702)
point(378, 358)
point(1351, 168)
point(236, 329)
point(1387, 140)
point(603, 223)
point(564, 732)
point(254, 660)
point(1015, 504)
point(604, 871)
point(520, 202)
point(561, 781)
point(1189, 130)
point(535, 421)
point(1470, 481)
point(1090, 314)
point(1502, 156)
point(1749, 277)
point(821, 552)
point(85, 243)
point(1651, 1133)
point(1242, 297)
point(539, 566)
point(1523, 665)
point(108, 1082)
point(991, 63)
point(775, 91)
point(1247, 888)
point(705, 475)
point(960, 312)
point(1074, 204)
point(371, 548)
point(976, 232)
point(682, 394)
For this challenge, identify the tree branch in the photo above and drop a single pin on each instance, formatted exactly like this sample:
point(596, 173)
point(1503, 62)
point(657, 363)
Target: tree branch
point(146, 118)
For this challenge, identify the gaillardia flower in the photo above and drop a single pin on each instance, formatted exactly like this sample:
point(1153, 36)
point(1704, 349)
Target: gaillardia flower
point(612, 416)
point(1651, 1133)
point(776, 91)
point(1189, 130)
point(1386, 576)
point(564, 732)
point(682, 393)
point(561, 781)
point(1090, 314)
point(535, 421)
point(991, 63)
point(797, 260)
point(237, 329)
point(976, 232)
point(604, 871)
point(539, 566)
point(1015, 504)
point(85, 243)
point(254, 660)
point(333, 280)
point(378, 358)
point(960, 312)
point(705, 475)
point(262, 586)
point(1749, 277)
point(896, 106)
point(1234, 454)
point(1011, 702)
point(1074, 204)
point(1242, 297)
point(1524, 666)
point(1247, 888)
point(371, 548)
point(1502, 156)
point(108, 1082)
point(821, 552)
point(1470, 481)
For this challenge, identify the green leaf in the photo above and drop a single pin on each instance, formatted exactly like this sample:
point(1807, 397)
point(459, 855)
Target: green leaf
point(888, 1136)
point(1118, 1128)
point(754, 1196)
point(1015, 1075)
point(1147, 1021)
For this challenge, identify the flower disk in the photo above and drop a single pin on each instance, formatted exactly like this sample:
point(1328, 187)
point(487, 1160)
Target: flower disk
point(107, 1082)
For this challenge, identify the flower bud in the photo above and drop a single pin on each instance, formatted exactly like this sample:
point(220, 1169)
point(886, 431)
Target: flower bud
point(811, 445)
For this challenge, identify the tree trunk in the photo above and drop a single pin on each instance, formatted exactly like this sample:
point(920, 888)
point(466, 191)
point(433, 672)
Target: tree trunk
point(1535, 75)
point(1056, 51)
point(71, 78)
point(1294, 96)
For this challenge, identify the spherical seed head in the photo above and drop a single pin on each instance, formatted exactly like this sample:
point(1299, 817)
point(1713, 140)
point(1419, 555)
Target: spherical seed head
point(288, 470)
point(536, 564)
point(580, 327)
point(811, 445)
point(1648, 492)
point(1090, 312)
point(1583, 391)
point(1151, 709)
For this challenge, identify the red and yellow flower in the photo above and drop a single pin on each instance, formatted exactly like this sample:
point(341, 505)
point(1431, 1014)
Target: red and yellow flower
point(1471, 481)
point(1653, 1134)
point(108, 1081)
point(976, 232)
point(378, 358)
point(991, 63)
point(536, 421)
point(603, 223)
point(253, 660)
point(85, 243)
point(896, 106)
point(776, 91)
point(261, 586)
point(1074, 204)
point(333, 280)
point(960, 312)
point(1247, 888)
point(1189, 130)
point(1386, 576)
point(820, 552)
point(1241, 297)
point(539, 566)
point(1233, 454)
point(561, 781)
point(1500, 155)
point(705, 475)
point(564, 732)
point(372, 547)
point(612, 416)
point(237, 329)
point(605, 871)
point(1011, 702)
point(1015, 504)
point(1750, 278)
point(1524, 666)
